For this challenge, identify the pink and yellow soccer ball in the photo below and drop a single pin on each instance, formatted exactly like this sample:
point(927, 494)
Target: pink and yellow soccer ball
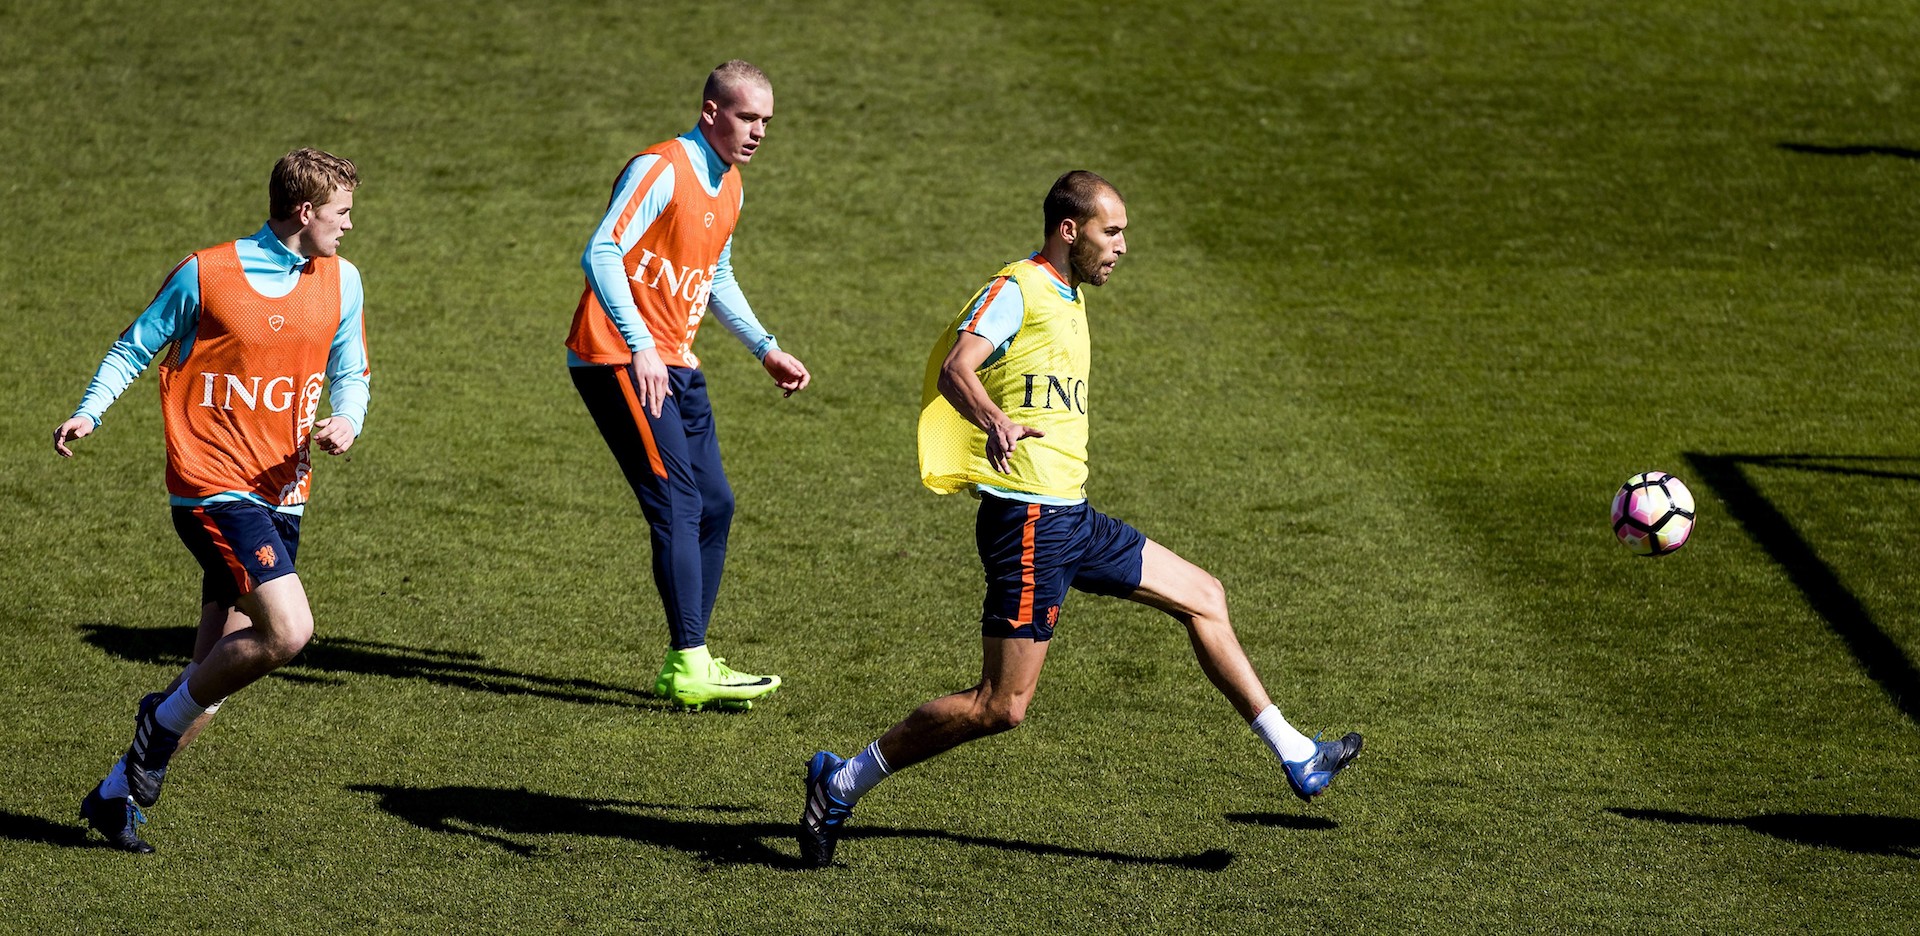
point(1653, 514)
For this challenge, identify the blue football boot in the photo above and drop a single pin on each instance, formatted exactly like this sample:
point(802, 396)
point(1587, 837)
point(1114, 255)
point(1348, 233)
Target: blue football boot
point(117, 819)
point(153, 745)
point(1309, 777)
point(820, 822)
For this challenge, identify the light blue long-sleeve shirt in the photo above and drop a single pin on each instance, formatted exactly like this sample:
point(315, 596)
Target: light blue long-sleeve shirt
point(604, 260)
point(174, 315)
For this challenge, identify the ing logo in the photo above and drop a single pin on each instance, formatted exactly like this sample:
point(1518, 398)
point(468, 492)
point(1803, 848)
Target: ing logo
point(1071, 391)
point(1053, 612)
point(265, 557)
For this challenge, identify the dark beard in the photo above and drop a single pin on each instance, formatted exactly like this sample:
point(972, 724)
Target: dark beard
point(1083, 258)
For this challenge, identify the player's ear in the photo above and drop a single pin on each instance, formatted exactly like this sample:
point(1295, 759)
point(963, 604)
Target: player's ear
point(305, 213)
point(709, 112)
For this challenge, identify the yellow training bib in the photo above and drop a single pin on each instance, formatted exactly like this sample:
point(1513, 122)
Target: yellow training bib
point(1041, 381)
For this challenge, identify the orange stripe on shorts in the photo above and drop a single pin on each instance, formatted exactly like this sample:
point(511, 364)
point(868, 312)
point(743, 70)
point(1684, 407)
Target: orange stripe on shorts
point(241, 577)
point(640, 422)
point(1026, 564)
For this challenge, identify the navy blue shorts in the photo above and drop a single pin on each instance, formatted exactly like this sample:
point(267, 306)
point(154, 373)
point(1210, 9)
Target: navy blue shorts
point(1033, 552)
point(240, 545)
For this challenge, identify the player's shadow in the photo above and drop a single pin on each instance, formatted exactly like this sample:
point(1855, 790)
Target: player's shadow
point(1883, 659)
point(704, 831)
point(20, 827)
point(1284, 821)
point(1857, 149)
point(1854, 832)
point(326, 658)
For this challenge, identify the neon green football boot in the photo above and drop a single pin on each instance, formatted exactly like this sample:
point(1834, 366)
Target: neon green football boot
point(696, 679)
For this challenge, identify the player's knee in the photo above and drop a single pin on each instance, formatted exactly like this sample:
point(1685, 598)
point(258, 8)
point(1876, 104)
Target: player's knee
point(288, 636)
point(286, 648)
point(1002, 715)
point(716, 507)
point(1210, 598)
point(1013, 716)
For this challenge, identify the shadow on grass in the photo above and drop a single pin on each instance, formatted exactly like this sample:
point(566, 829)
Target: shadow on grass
point(24, 828)
point(1883, 660)
point(1854, 832)
point(1284, 821)
point(329, 657)
point(491, 814)
point(1814, 149)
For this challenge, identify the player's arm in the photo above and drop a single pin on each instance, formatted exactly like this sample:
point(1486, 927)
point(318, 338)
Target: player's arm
point(173, 313)
point(635, 205)
point(348, 374)
point(729, 304)
point(989, 328)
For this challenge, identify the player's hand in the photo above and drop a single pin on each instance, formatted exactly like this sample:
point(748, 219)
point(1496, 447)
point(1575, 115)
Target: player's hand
point(79, 427)
point(788, 373)
point(1001, 438)
point(334, 435)
point(650, 382)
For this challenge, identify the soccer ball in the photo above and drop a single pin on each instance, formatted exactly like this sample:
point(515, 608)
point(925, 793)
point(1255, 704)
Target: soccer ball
point(1653, 514)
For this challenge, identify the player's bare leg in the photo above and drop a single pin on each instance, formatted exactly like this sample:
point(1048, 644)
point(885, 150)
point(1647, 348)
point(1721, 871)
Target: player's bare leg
point(107, 807)
point(217, 620)
point(279, 622)
point(1197, 600)
point(1009, 674)
point(266, 629)
point(1192, 596)
point(280, 625)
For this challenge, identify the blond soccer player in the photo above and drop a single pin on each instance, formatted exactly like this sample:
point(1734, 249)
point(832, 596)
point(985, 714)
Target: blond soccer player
point(254, 332)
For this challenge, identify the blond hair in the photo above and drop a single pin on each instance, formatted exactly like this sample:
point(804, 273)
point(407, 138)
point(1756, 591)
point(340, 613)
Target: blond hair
point(728, 78)
point(307, 176)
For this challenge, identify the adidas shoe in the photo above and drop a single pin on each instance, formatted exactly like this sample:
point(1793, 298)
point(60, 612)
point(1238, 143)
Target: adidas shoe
point(153, 745)
point(1309, 777)
point(824, 814)
point(117, 819)
point(697, 679)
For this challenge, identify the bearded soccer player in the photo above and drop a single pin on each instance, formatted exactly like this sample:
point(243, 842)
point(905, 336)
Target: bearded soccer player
point(661, 258)
point(1004, 417)
point(253, 330)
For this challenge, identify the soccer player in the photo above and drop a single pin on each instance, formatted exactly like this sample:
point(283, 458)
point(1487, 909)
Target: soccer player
point(253, 329)
point(1004, 417)
point(660, 258)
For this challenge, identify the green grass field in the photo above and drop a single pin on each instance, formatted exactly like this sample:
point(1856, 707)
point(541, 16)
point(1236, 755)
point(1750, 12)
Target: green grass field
point(1412, 287)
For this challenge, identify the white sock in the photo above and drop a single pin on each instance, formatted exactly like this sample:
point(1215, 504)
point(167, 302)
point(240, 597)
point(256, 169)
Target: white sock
point(187, 674)
point(115, 786)
point(178, 712)
point(1287, 743)
point(861, 772)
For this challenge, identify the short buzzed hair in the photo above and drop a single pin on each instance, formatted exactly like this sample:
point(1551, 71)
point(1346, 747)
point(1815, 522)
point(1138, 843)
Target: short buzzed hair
point(1074, 197)
point(728, 77)
point(307, 175)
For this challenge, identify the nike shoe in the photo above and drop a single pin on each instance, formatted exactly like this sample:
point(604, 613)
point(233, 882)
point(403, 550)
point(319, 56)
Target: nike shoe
point(697, 679)
point(153, 745)
point(824, 814)
point(117, 819)
point(1309, 777)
